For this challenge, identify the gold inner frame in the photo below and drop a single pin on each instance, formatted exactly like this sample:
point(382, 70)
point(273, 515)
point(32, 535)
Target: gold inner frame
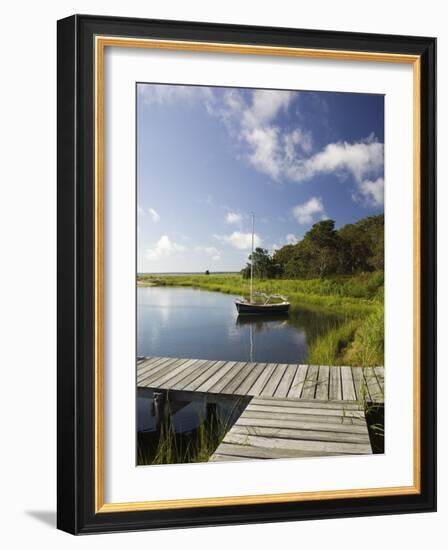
point(101, 42)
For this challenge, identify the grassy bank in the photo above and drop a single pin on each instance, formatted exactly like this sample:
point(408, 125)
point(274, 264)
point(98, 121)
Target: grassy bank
point(357, 342)
point(355, 296)
point(358, 301)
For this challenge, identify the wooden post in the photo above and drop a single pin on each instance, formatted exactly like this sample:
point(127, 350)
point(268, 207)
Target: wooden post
point(159, 400)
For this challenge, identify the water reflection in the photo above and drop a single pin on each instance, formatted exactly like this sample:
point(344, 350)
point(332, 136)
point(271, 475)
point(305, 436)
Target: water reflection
point(198, 324)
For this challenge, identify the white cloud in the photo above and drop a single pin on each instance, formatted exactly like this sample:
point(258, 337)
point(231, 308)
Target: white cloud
point(163, 248)
point(287, 153)
point(291, 238)
point(154, 215)
point(266, 104)
point(166, 93)
point(282, 153)
point(360, 159)
point(140, 210)
point(233, 218)
point(306, 212)
point(372, 192)
point(239, 240)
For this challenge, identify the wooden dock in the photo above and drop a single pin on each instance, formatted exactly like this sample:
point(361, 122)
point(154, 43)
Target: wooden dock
point(295, 411)
point(307, 382)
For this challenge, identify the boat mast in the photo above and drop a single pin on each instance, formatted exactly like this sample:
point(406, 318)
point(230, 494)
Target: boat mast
point(252, 259)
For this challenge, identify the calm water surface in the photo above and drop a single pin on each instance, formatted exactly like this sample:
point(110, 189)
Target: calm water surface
point(199, 324)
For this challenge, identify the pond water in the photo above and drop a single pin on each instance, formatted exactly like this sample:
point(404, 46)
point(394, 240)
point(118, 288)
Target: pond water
point(199, 324)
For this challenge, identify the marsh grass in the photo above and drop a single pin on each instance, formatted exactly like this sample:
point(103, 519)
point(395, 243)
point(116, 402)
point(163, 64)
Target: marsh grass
point(354, 296)
point(166, 446)
point(328, 349)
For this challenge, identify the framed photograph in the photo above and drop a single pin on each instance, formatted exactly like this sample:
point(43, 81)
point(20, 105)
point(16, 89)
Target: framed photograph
point(246, 274)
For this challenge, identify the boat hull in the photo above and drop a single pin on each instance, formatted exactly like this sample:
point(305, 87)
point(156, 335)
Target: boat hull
point(245, 308)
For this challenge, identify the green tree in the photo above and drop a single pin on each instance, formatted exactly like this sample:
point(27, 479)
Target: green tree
point(263, 265)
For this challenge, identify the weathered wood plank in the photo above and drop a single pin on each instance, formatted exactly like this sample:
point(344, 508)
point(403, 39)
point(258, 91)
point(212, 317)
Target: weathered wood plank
point(299, 445)
point(206, 371)
point(272, 409)
point(144, 364)
point(216, 457)
point(348, 387)
point(238, 379)
point(333, 419)
point(322, 387)
point(157, 366)
point(295, 390)
point(178, 373)
point(372, 383)
point(362, 393)
point(258, 386)
point(251, 379)
point(205, 386)
point(305, 423)
point(280, 402)
point(292, 433)
point(251, 452)
point(286, 381)
point(225, 379)
point(309, 387)
point(162, 371)
point(335, 390)
point(274, 380)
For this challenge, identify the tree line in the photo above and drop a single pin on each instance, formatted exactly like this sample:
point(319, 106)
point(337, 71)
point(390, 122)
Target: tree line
point(324, 251)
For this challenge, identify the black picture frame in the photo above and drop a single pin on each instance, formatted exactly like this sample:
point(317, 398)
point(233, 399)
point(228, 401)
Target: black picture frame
point(76, 284)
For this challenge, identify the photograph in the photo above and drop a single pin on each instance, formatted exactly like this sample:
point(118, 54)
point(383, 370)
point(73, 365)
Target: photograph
point(260, 274)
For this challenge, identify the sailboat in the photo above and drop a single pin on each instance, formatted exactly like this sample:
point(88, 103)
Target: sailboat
point(272, 304)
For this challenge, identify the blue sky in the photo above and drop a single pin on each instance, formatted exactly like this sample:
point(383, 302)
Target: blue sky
point(207, 157)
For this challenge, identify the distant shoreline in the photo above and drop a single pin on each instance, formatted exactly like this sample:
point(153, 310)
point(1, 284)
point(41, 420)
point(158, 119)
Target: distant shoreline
point(186, 273)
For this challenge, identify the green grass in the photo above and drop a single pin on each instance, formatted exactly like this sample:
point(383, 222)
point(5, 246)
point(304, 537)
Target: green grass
point(352, 296)
point(328, 349)
point(358, 339)
point(357, 342)
point(169, 447)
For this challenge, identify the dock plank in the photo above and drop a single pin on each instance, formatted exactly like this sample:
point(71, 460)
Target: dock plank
point(362, 393)
point(298, 445)
point(162, 371)
point(338, 426)
point(286, 381)
point(250, 379)
point(296, 433)
point(225, 379)
point(335, 389)
point(309, 387)
point(207, 384)
point(332, 419)
point(233, 386)
point(375, 390)
point(206, 371)
point(295, 390)
point(348, 386)
point(254, 453)
point(274, 380)
point(176, 376)
point(259, 385)
point(322, 387)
